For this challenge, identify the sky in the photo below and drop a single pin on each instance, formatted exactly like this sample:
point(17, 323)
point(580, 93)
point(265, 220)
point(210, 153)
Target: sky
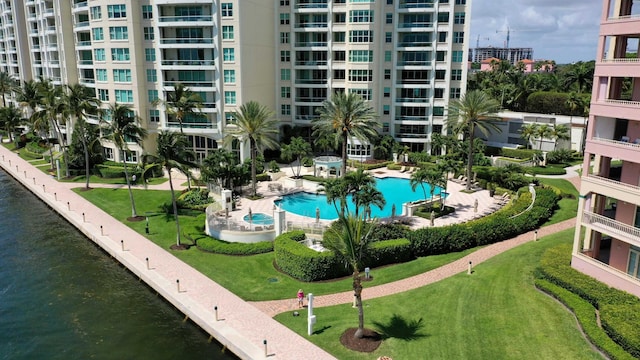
point(562, 30)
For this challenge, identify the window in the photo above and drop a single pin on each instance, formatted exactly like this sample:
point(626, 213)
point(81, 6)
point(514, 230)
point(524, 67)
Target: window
point(103, 94)
point(456, 56)
point(117, 11)
point(454, 93)
point(97, 34)
point(228, 54)
point(339, 55)
point(129, 156)
point(389, 18)
point(118, 33)
point(456, 74)
point(364, 93)
point(108, 153)
point(154, 116)
point(227, 33)
point(441, 74)
point(284, 19)
point(285, 92)
point(386, 109)
point(284, 38)
point(285, 56)
point(360, 36)
point(461, 2)
point(360, 75)
point(121, 75)
point(361, 16)
point(388, 37)
point(443, 17)
point(229, 76)
point(147, 12)
point(150, 54)
point(284, 2)
point(340, 18)
point(285, 74)
point(458, 37)
point(385, 127)
point(438, 93)
point(285, 109)
point(120, 54)
point(339, 36)
point(96, 12)
point(458, 18)
point(227, 9)
point(99, 55)
point(230, 97)
point(124, 96)
point(440, 55)
point(148, 33)
point(387, 92)
point(361, 55)
point(339, 74)
point(442, 36)
point(387, 74)
point(387, 56)
point(101, 75)
point(152, 75)
point(152, 95)
point(438, 111)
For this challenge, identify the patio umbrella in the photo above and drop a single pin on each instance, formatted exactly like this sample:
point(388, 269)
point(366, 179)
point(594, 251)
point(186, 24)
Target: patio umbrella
point(317, 215)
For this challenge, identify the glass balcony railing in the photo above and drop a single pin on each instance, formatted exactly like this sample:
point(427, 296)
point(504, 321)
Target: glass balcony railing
point(187, 41)
point(186, 18)
point(188, 62)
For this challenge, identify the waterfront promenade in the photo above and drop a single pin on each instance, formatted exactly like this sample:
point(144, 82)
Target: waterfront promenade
point(240, 327)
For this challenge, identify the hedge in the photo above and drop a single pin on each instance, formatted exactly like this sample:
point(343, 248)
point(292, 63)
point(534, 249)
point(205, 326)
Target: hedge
point(369, 166)
point(540, 170)
point(303, 263)
point(263, 177)
point(585, 313)
point(393, 166)
point(524, 154)
point(547, 102)
point(229, 248)
point(387, 252)
point(618, 309)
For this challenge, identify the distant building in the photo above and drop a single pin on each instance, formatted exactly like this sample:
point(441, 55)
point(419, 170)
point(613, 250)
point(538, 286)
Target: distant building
point(513, 55)
point(529, 66)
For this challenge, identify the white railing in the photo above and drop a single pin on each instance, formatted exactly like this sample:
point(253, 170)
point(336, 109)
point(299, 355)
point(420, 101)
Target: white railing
point(310, 228)
point(623, 17)
point(622, 102)
point(611, 225)
point(614, 182)
point(620, 60)
point(632, 145)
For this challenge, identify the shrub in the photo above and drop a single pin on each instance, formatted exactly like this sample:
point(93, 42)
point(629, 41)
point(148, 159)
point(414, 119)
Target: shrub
point(388, 252)
point(307, 161)
point(196, 199)
point(547, 102)
point(273, 166)
point(37, 148)
point(393, 166)
point(524, 154)
point(369, 165)
point(417, 157)
point(263, 177)
point(230, 248)
point(109, 172)
point(389, 232)
point(303, 263)
point(562, 156)
point(541, 170)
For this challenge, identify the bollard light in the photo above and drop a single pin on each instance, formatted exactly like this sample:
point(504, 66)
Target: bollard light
point(535, 235)
point(83, 219)
point(34, 181)
point(122, 244)
point(25, 174)
point(16, 167)
point(265, 347)
point(68, 206)
point(147, 260)
point(178, 284)
point(55, 196)
point(469, 269)
point(43, 188)
point(215, 309)
point(101, 230)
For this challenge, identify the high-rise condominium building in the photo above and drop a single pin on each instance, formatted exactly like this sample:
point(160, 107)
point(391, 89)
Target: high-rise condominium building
point(408, 57)
point(607, 237)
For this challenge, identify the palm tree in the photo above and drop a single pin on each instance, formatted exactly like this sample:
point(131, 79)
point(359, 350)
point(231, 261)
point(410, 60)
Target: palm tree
point(356, 182)
point(7, 85)
point(559, 132)
point(474, 109)
point(336, 190)
point(254, 122)
point(433, 176)
point(122, 129)
point(80, 101)
point(346, 115)
point(528, 132)
point(543, 132)
point(172, 153)
point(580, 74)
point(366, 197)
point(350, 243)
point(44, 119)
point(29, 96)
point(220, 166)
point(296, 150)
point(10, 118)
point(182, 103)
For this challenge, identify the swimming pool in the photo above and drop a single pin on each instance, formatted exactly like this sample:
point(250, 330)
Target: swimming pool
point(395, 190)
point(259, 219)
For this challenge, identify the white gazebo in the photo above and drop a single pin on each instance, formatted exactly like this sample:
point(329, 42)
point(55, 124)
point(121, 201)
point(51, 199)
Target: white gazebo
point(327, 163)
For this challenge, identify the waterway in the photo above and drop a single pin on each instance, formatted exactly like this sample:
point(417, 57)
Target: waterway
point(61, 297)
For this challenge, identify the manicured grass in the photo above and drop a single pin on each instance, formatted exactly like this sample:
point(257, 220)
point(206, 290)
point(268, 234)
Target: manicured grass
point(496, 313)
point(250, 277)
point(567, 207)
point(93, 179)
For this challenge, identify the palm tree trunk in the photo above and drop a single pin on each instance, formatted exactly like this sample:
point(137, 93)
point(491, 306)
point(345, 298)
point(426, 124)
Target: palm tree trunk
point(126, 176)
point(470, 158)
point(344, 152)
point(86, 162)
point(357, 291)
point(175, 208)
point(252, 148)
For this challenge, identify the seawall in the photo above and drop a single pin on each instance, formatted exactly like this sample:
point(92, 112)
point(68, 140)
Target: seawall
point(239, 326)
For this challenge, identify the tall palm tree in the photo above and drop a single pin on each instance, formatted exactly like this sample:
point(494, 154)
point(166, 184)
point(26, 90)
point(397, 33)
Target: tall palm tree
point(346, 115)
point(351, 243)
point(579, 74)
point(336, 191)
point(432, 176)
point(10, 118)
point(171, 153)
point(543, 132)
point(45, 118)
point(220, 166)
point(80, 102)
point(356, 181)
point(528, 132)
point(7, 85)
point(121, 130)
point(29, 96)
point(474, 110)
point(368, 196)
point(559, 132)
point(254, 122)
point(182, 103)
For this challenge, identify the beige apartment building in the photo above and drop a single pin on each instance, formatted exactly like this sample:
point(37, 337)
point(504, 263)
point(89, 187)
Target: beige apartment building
point(406, 56)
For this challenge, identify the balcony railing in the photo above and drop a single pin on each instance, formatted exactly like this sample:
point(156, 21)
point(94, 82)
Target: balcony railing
point(191, 125)
point(88, 81)
point(312, 25)
point(85, 62)
point(412, 118)
point(310, 43)
point(311, 5)
point(414, 44)
point(310, 99)
point(621, 60)
point(188, 62)
point(80, 5)
point(415, 25)
point(625, 144)
point(412, 100)
point(611, 226)
point(311, 62)
point(614, 183)
point(622, 102)
point(311, 81)
point(186, 18)
point(82, 24)
point(412, 136)
point(623, 17)
point(306, 117)
point(84, 43)
point(413, 81)
point(187, 41)
point(414, 63)
point(414, 5)
point(189, 83)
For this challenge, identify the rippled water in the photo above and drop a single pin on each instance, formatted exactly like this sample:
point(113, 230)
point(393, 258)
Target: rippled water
point(61, 297)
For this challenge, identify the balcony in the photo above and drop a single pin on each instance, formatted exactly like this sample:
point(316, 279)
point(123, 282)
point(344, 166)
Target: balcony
point(80, 5)
point(611, 188)
point(609, 226)
point(414, 63)
point(416, 4)
point(424, 118)
point(311, 5)
point(412, 100)
point(85, 62)
point(310, 99)
point(311, 44)
point(83, 43)
point(194, 18)
point(81, 24)
point(187, 125)
point(311, 81)
point(188, 62)
point(619, 149)
point(190, 84)
point(311, 63)
point(412, 136)
point(415, 25)
point(187, 41)
point(624, 109)
point(415, 44)
point(312, 25)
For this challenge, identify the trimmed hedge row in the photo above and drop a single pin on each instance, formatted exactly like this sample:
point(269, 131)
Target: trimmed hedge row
point(524, 154)
point(618, 309)
point(366, 166)
point(303, 263)
point(539, 170)
point(585, 312)
point(230, 248)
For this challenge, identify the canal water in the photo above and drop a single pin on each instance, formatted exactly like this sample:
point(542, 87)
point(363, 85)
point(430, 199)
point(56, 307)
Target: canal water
point(61, 297)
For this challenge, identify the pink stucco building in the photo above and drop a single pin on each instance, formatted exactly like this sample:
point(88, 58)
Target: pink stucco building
point(607, 237)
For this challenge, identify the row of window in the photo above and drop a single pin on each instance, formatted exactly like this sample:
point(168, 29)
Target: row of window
point(121, 54)
point(366, 36)
point(454, 93)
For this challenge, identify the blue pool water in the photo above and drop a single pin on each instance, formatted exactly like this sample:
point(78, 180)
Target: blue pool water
point(395, 190)
point(259, 219)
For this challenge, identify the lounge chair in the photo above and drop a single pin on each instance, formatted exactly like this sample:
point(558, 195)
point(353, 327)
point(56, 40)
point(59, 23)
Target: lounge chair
point(624, 139)
point(403, 169)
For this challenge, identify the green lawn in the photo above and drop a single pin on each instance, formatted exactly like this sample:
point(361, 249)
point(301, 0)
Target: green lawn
point(496, 313)
point(567, 207)
point(93, 179)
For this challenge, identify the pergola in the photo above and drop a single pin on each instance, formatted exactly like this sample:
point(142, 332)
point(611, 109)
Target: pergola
point(327, 163)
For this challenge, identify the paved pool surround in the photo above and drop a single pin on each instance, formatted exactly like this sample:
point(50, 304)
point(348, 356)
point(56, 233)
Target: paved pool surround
point(240, 327)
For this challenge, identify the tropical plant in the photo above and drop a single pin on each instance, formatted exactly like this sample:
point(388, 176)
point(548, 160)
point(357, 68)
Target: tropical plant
point(7, 85)
point(350, 242)
point(253, 122)
point(10, 118)
point(89, 134)
point(432, 176)
point(29, 96)
point(528, 132)
point(336, 191)
point(365, 198)
point(182, 103)
point(345, 116)
point(579, 75)
point(296, 150)
point(474, 110)
point(220, 166)
point(121, 130)
point(356, 182)
point(45, 119)
point(543, 132)
point(172, 152)
point(559, 132)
